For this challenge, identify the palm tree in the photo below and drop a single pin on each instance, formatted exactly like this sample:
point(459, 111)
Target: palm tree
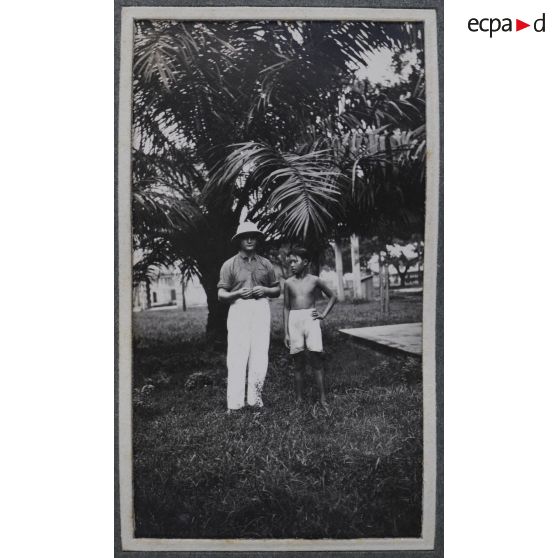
point(235, 119)
point(384, 155)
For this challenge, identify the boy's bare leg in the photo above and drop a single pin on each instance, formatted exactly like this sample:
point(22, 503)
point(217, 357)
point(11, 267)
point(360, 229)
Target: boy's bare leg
point(316, 362)
point(299, 363)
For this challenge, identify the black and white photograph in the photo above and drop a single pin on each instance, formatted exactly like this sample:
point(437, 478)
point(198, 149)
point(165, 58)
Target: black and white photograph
point(277, 224)
point(303, 311)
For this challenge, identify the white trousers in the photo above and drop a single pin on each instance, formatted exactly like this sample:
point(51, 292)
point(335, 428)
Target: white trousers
point(248, 328)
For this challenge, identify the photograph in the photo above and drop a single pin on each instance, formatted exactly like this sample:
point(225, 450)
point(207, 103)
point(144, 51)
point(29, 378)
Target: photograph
point(278, 192)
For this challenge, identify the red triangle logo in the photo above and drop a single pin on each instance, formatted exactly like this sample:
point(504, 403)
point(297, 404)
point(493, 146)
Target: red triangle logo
point(519, 25)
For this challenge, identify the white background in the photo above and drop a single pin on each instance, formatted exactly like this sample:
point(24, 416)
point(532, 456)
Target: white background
point(501, 120)
point(56, 314)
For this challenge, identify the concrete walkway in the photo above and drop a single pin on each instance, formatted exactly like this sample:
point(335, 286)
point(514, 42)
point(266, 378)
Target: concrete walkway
point(402, 337)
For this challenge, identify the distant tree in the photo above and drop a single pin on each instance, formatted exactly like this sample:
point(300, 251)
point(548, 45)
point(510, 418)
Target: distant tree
point(402, 258)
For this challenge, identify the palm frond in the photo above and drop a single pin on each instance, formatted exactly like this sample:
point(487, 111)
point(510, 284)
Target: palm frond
point(295, 189)
point(161, 48)
point(162, 196)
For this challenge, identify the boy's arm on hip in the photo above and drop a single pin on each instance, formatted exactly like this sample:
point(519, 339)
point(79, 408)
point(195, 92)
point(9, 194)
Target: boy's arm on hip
point(332, 297)
point(325, 289)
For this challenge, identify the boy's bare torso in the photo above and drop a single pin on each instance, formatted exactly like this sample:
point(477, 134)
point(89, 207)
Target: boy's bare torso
point(302, 291)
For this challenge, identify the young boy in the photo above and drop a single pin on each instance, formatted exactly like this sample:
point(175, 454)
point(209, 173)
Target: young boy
point(302, 320)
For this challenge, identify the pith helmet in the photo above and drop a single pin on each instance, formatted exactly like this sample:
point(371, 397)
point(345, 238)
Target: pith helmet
point(245, 228)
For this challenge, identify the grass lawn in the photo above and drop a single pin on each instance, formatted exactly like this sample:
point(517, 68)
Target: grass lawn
point(287, 472)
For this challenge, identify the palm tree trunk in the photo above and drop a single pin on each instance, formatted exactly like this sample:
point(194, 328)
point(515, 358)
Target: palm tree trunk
point(387, 290)
point(355, 259)
point(211, 255)
point(216, 328)
point(381, 283)
point(183, 286)
point(339, 269)
point(148, 292)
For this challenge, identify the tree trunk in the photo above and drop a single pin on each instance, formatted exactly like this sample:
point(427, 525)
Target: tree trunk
point(212, 252)
point(402, 276)
point(381, 283)
point(315, 263)
point(387, 290)
point(216, 328)
point(148, 292)
point(355, 259)
point(183, 286)
point(339, 269)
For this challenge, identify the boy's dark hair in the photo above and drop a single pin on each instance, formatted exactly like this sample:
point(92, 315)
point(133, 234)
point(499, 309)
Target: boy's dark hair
point(302, 253)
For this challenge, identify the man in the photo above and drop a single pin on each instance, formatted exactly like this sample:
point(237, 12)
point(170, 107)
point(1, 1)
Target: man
point(246, 282)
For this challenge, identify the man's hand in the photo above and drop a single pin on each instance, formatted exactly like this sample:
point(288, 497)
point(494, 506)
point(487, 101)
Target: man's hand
point(287, 341)
point(245, 293)
point(258, 291)
point(317, 315)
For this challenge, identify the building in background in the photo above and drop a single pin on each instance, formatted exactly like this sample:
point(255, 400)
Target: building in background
point(165, 290)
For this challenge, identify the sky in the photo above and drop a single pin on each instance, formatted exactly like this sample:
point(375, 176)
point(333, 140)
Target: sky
point(380, 70)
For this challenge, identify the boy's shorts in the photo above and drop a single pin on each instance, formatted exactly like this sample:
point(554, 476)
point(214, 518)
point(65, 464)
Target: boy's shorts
point(304, 331)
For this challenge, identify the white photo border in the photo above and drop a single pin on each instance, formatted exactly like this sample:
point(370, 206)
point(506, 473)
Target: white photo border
point(129, 14)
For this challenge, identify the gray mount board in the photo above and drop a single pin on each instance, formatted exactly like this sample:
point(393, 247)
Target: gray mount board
point(434, 310)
